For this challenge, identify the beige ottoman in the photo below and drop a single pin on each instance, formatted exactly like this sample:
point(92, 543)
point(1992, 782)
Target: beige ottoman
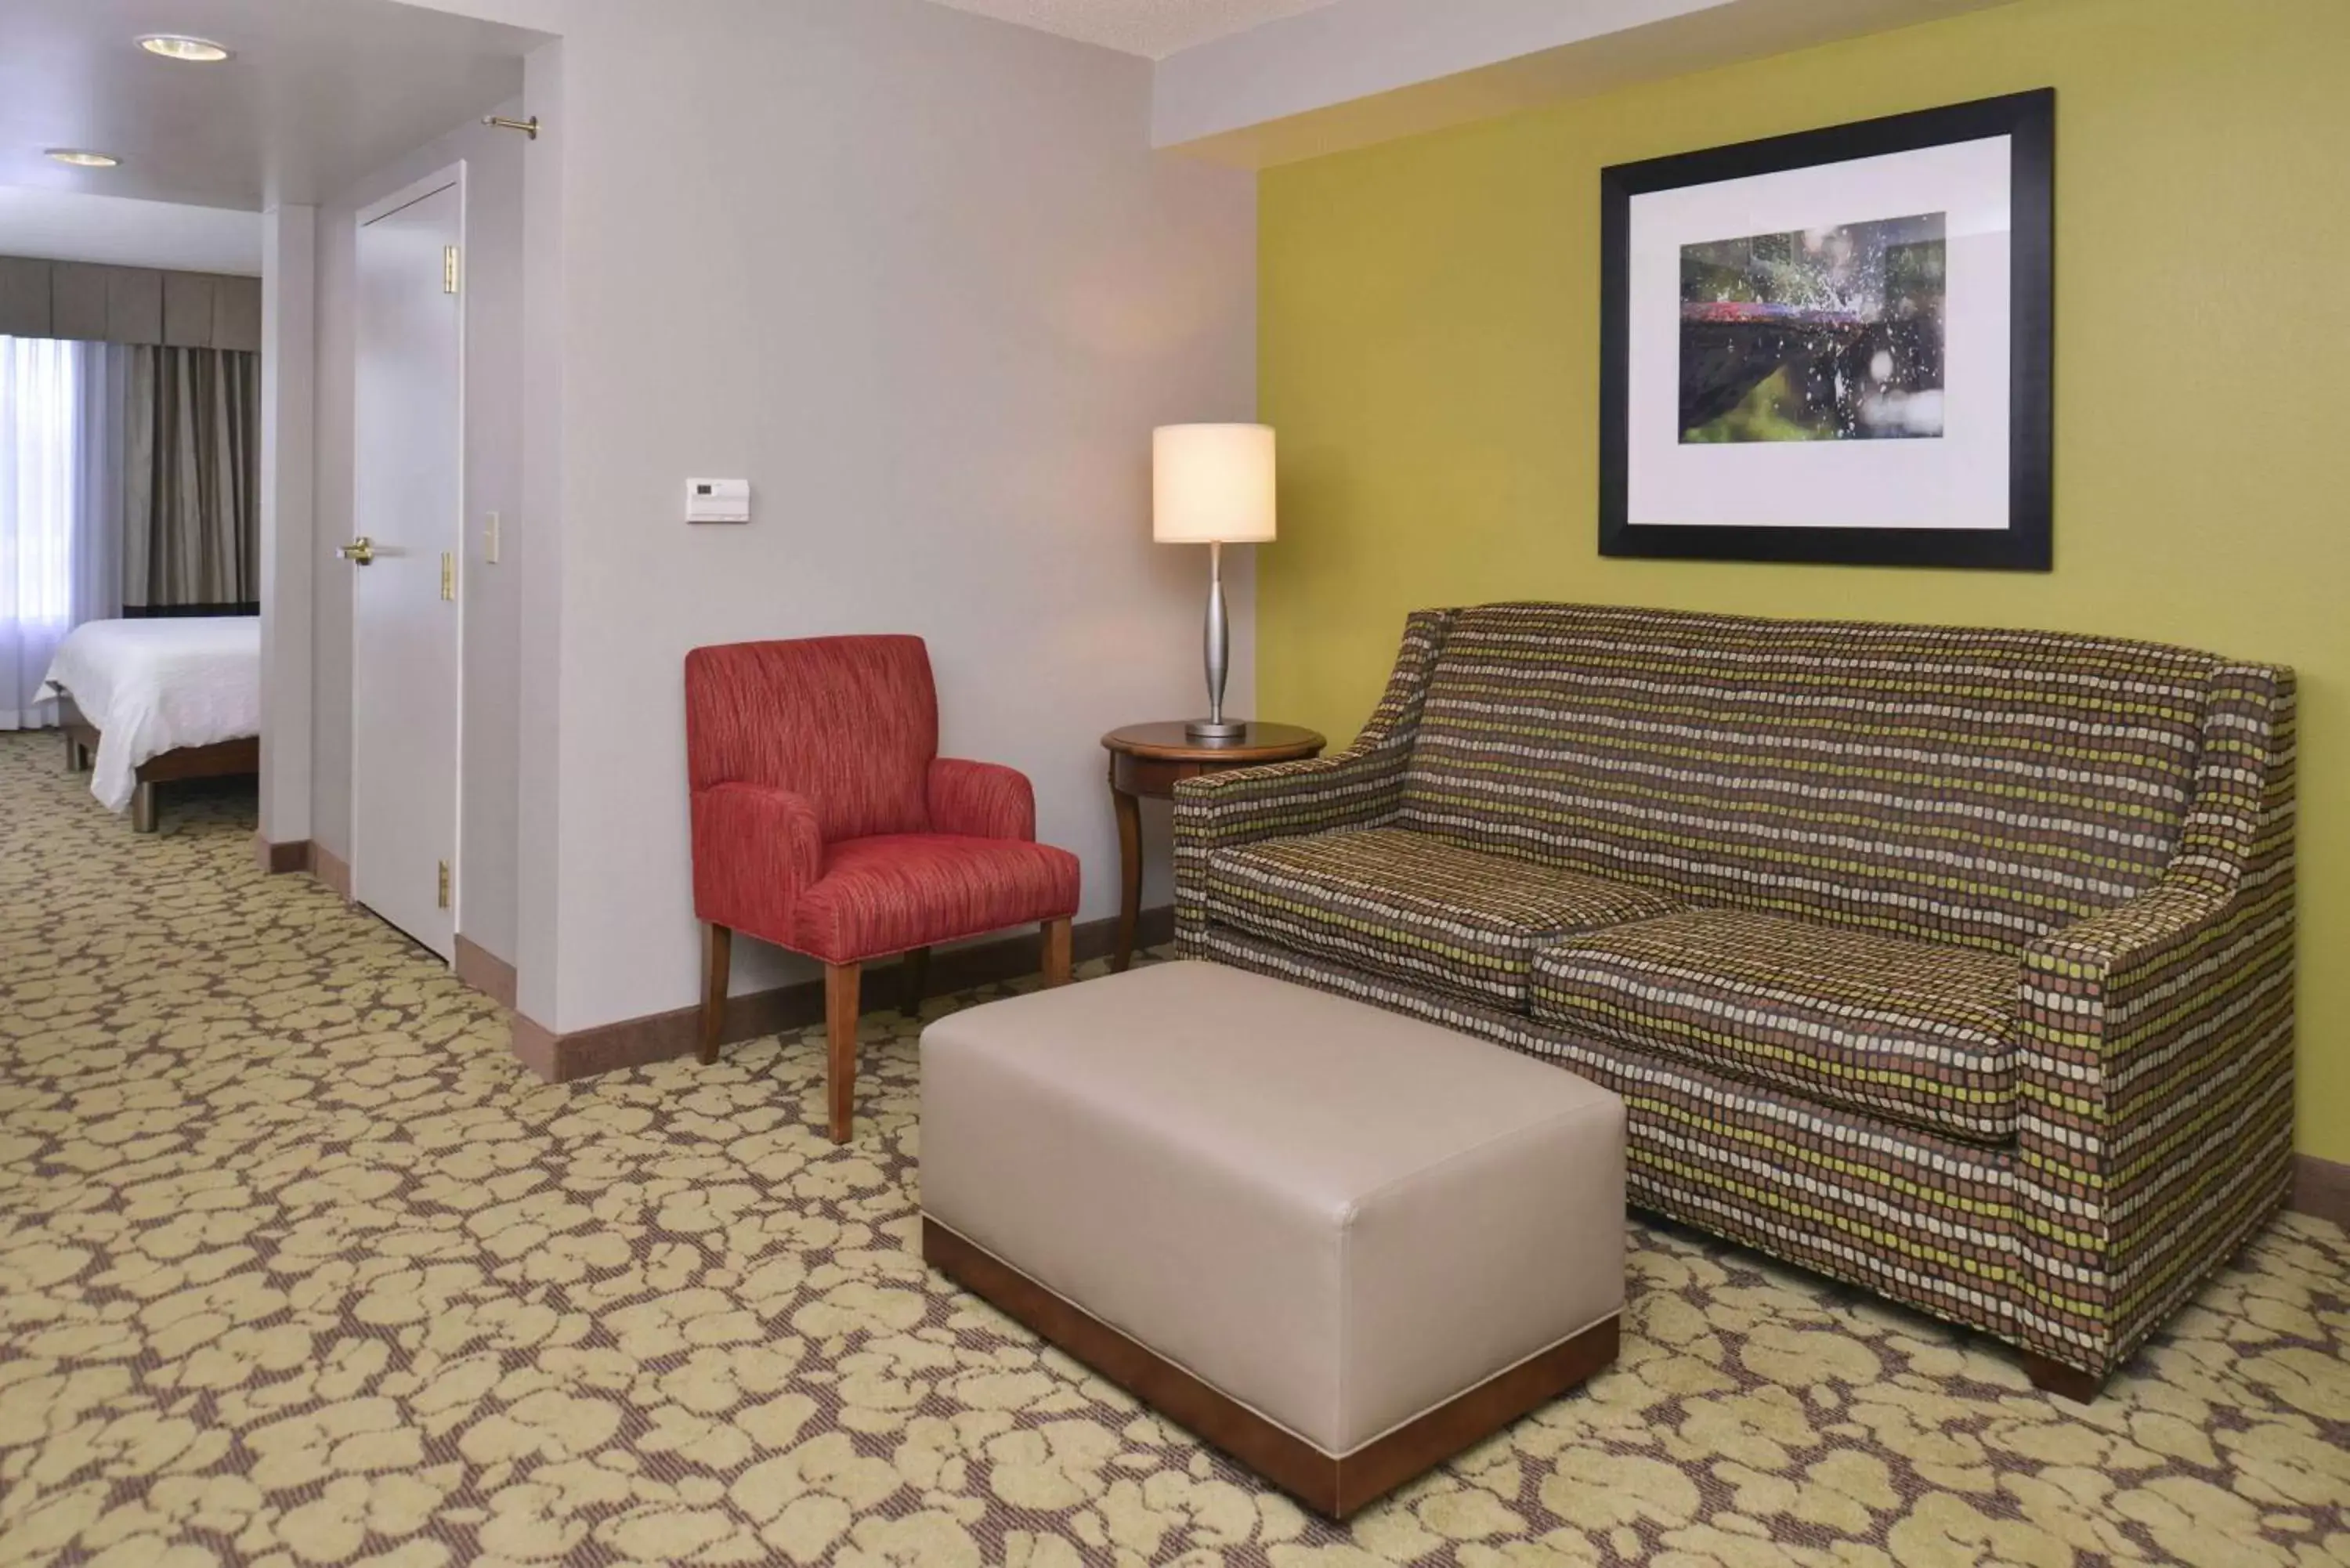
point(1340, 1244)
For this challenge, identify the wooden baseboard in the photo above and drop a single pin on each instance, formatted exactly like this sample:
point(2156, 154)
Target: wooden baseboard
point(486, 973)
point(280, 859)
point(2322, 1188)
point(1335, 1485)
point(328, 869)
point(637, 1041)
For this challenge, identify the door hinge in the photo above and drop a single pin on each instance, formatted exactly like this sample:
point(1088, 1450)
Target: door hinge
point(448, 576)
point(448, 269)
point(444, 883)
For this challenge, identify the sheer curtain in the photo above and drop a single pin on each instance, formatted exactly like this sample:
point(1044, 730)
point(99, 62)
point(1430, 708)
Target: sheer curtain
point(60, 509)
point(39, 405)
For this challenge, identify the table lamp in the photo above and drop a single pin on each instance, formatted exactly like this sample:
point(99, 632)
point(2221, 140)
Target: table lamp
point(1212, 486)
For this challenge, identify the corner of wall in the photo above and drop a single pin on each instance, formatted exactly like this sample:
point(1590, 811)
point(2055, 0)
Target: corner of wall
point(538, 543)
point(288, 469)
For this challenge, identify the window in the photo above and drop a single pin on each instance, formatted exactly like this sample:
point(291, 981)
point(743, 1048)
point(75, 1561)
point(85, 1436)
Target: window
point(39, 402)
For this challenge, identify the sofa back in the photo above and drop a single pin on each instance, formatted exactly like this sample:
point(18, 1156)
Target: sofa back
point(1962, 785)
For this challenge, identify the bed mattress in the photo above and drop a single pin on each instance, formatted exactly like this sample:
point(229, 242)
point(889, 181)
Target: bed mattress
point(155, 686)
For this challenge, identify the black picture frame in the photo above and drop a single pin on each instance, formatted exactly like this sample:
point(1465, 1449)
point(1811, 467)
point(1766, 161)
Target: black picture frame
point(2029, 120)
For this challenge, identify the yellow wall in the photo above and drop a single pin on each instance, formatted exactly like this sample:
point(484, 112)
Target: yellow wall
point(1430, 353)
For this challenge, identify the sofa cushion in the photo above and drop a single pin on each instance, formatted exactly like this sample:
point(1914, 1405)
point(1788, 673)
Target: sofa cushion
point(1415, 907)
point(1915, 1031)
point(1974, 786)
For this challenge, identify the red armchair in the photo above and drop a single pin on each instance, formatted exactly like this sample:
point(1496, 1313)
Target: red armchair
point(826, 821)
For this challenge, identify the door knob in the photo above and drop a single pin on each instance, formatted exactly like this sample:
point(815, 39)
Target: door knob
point(359, 552)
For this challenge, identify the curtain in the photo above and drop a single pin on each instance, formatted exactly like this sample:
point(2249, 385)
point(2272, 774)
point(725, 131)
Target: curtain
point(103, 374)
point(39, 409)
point(191, 477)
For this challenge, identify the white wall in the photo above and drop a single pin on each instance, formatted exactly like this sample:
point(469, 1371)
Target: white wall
point(1357, 72)
point(1361, 48)
point(546, 15)
point(290, 330)
point(538, 566)
point(73, 225)
point(494, 400)
point(919, 277)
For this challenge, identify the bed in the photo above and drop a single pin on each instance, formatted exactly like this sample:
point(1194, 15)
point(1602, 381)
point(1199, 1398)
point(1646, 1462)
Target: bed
point(146, 702)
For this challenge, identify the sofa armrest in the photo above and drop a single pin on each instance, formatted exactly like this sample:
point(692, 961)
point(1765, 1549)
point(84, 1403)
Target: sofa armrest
point(1358, 787)
point(1361, 786)
point(755, 848)
point(2155, 1053)
point(981, 800)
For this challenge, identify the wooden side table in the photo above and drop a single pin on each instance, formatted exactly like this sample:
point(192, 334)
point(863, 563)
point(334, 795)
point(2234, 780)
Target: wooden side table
point(1151, 760)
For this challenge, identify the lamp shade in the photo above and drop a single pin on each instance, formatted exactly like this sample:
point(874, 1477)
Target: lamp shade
point(1211, 484)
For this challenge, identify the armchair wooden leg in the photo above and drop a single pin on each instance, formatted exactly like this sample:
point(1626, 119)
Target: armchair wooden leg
point(717, 953)
point(840, 988)
point(915, 972)
point(1057, 953)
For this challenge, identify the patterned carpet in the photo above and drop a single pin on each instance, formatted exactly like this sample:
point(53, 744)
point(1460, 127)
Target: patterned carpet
point(297, 1267)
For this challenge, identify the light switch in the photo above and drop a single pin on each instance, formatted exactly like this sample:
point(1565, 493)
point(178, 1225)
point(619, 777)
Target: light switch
point(490, 540)
point(718, 501)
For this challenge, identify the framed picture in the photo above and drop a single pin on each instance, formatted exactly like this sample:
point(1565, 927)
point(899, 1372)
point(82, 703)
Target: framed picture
point(1834, 345)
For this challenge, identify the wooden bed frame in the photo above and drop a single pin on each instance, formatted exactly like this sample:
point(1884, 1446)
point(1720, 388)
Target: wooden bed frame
point(223, 759)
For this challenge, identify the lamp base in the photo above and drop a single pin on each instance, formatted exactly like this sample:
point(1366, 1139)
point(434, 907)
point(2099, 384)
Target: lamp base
point(1217, 730)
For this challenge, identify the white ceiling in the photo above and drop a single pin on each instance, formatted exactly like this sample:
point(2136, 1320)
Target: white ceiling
point(320, 92)
point(1152, 28)
point(66, 225)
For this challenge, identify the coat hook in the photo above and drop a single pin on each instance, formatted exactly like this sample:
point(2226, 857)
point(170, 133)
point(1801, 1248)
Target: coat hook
point(527, 127)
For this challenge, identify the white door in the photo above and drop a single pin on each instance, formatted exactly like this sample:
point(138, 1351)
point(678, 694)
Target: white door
point(410, 509)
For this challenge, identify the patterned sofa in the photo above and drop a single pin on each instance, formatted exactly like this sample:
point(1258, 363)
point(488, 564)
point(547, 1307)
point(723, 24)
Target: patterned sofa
point(1958, 964)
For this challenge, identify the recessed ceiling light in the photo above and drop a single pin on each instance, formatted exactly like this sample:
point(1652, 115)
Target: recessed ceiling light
point(178, 47)
point(82, 158)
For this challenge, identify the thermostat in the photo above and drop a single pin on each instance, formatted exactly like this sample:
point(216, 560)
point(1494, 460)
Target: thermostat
point(718, 501)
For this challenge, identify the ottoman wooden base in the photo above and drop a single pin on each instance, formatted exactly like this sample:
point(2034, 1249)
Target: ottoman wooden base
point(1332, 1485)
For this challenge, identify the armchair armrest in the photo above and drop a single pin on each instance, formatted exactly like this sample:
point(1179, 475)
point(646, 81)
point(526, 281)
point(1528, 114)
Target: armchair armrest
point(2154, 1129)
point(981, 800)
point(755, 848)
point(1361, 786)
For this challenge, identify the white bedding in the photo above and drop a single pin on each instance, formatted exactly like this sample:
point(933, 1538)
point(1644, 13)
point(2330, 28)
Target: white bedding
point(153, 686)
